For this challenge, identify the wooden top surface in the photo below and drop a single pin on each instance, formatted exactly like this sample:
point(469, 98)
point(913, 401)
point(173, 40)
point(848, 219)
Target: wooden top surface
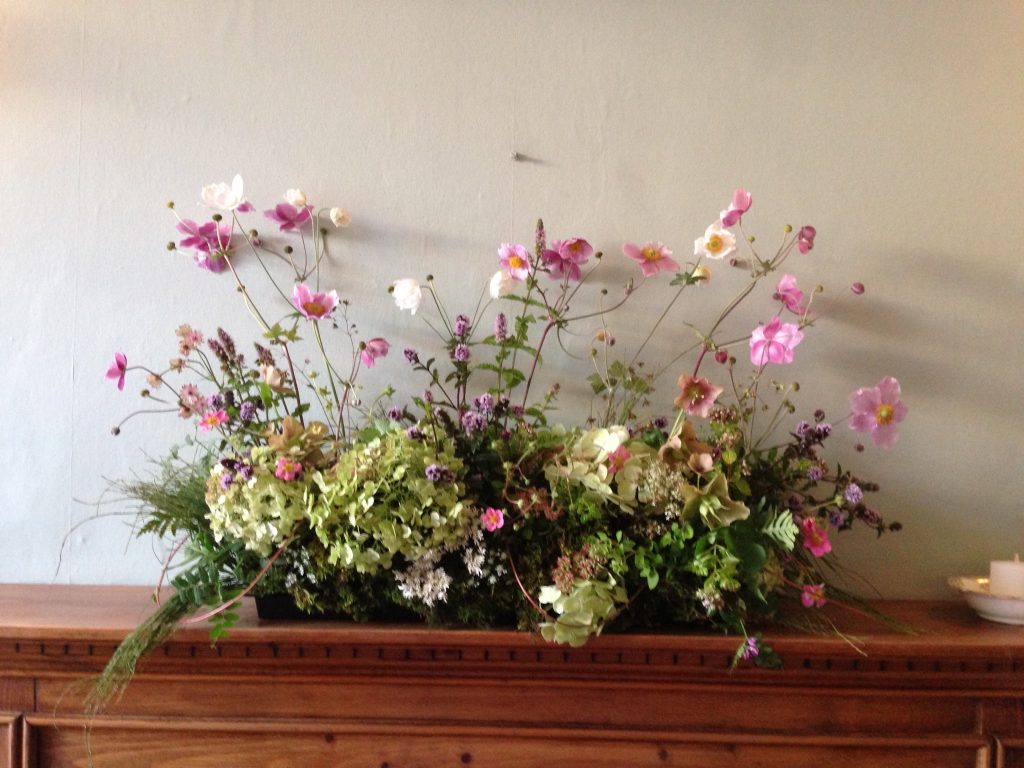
point(107, 613)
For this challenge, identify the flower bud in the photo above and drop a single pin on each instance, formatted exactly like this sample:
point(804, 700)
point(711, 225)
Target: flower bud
point(857, 288)
point(788, 228)
point(217, 217)
point(171, 246)
point(340, 217)
point(170, 204)
point(721, 357)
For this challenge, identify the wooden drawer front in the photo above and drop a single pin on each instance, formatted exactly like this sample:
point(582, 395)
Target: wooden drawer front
point(273, 744)
point(9, 740)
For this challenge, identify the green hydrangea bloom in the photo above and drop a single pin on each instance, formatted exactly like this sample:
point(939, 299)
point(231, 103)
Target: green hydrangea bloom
point(606, 463)
point(377, 502)
point(261, 512)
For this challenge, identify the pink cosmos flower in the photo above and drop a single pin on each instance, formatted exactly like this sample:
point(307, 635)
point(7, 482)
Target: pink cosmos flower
point(376, 347)
point(790, 295)
point(740, 204)
point(617, 459)
point(492, 519)
point(118, 369)
point(805, 238)
point(813, 596)
point(877, 410)
point(514, 258)
point(697, 395)
point(313, 306)
point(653, 258)
point(287, 469)
point(210, 241)
point(774, 343)
point(212, 419)
point(815, 537)
point(288, 217)
point(564, 257)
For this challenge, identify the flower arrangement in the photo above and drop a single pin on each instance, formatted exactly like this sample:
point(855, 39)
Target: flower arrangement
point(465, 503)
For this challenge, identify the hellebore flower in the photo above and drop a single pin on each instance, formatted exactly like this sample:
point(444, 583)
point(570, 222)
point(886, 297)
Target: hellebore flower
point(288, 217)
point(740, 204)
point(513, 257)
point(407, 293)
point(697, 395)
point(805, 238)
point(790, 295)
point(717, 243)
point(713, 503)
point(653, 258)
point(774, 342)
point(877, 410)
point(313, 305)
point(375, 347)
point(224, 197)
point(565, 257)
point(118, 369)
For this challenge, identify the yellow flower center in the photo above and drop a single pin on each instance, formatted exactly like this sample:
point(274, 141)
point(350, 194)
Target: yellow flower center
point(515, 262)
point(651, 254)
point(884, 414)
point(314, 308)
point(715, 244)
point(576, 247)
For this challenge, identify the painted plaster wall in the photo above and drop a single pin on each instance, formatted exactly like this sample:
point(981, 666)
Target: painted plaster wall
point(893, 127)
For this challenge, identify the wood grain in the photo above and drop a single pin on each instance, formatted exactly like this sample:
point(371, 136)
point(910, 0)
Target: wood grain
point(279, 694)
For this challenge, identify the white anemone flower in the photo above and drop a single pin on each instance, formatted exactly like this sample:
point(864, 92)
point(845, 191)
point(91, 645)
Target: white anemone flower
point(502, 284)
point(407, 293)
point(717, 243)
point(223, 197)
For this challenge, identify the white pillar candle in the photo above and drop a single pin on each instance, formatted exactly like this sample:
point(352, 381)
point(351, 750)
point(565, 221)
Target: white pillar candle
point(1006, 577)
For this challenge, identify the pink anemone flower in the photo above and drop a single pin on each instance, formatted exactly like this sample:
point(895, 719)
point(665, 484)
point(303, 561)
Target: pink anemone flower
point(118, 369)
point(774, 342)
point(617, 459)
point(790, 295)
point(564, 257)
point(878, 410)
point(653, 257)
point(313, 306)
point(740, 204)
point(288, 217)
point(697, 396)
point(515, 259)
point(212, 419)
point(376, 347)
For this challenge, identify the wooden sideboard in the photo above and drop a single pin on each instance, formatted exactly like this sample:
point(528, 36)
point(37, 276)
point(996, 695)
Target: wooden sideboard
point(312, 695)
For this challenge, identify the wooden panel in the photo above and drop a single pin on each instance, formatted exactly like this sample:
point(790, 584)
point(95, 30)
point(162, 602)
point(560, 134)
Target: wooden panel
point(129, 744)
point(9, 740)
point(17, 694)
point(735, 709)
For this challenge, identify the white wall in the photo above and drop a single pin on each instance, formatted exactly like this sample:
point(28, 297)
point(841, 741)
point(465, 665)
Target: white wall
point(893, 127)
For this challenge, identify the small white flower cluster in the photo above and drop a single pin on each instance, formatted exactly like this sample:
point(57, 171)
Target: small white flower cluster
point(424, 580)
point(475, 553)
point(663, 486)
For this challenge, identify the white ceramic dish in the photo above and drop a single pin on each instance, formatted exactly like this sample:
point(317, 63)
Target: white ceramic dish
point(1005, 610)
